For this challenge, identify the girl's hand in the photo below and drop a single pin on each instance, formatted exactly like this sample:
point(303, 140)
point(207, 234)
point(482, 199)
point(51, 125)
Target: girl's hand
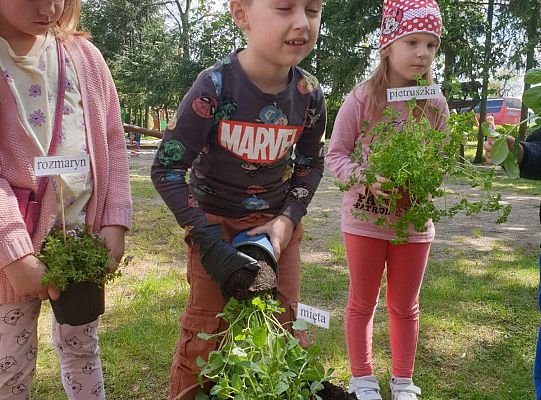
point(113, 239)
point(376, 190)
point(24, 275)
point(279, 230)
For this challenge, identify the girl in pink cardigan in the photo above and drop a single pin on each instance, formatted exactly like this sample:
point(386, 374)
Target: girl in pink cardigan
point(410, 36)
point(90, 124)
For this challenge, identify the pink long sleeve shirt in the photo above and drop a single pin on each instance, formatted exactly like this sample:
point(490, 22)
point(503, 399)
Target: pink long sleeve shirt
point(110, 203)
point(345, 137)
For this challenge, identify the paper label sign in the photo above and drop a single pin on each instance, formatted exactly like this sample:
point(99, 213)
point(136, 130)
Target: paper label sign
point(45, 166)
point(313, 315)
point(413, 92)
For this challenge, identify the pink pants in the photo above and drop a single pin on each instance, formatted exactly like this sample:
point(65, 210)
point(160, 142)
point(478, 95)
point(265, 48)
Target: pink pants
point(205, 300)
point(406, 265)
point(77, 347)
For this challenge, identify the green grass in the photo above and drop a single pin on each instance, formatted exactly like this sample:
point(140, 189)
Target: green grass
point(478, 322)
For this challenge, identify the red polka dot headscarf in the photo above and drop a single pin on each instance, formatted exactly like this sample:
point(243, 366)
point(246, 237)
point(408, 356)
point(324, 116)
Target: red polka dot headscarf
point(404, 17)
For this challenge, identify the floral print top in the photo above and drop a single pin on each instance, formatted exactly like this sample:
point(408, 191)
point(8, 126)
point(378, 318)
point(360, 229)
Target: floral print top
point(33, 80)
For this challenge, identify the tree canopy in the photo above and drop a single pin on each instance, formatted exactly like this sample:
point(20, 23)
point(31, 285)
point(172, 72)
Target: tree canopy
point(156, 48)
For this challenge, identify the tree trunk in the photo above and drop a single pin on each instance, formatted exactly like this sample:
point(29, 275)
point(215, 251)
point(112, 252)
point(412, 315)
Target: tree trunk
point(533, 40)
point(185, 30)
point(147, 114)
point(486, 69)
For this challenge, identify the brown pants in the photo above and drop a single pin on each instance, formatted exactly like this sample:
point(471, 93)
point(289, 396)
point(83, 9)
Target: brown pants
point(205, 300)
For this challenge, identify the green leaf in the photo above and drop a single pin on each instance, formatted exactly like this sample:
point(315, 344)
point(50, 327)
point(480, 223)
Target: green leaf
point(204, 336)
point(510, 164)
point(215, 360)
point(300, 325)
point(260, 336)
point(316, 387)
point(260, 304)
point(201, 396)
point(239, 352)
point(509, 129)
point(499, 151)
point(200, 362)
point(516, 149)
point(533, 76)
point(281, 387)
point(532, 97)
point(488, 132)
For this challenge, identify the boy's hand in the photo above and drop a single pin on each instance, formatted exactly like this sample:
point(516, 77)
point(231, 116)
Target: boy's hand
point(510, 144)
point(113, 239)
point(279, 230)
point(24, 275)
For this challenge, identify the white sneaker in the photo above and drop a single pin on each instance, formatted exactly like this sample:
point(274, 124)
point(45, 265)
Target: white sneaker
point(404, 389)
point(365, 387)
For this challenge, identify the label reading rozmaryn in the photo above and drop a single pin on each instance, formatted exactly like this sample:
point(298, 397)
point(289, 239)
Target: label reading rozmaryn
point(313, 315)
point(57, 165)
point(413, 92)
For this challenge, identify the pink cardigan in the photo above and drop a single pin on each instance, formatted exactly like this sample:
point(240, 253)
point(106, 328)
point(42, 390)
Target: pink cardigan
point(110, 203)
point(345, 137)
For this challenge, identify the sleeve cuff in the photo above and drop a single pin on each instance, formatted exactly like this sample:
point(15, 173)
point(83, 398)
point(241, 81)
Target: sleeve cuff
point(117, 217)
point(13, 250)
point(293, 211)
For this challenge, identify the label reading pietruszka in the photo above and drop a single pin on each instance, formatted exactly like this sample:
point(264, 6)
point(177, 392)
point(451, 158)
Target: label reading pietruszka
point(413, 92)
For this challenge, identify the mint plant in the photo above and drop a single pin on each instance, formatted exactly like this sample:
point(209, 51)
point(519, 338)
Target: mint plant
point(82, 257)
point(417, 159)
point(500, 153)
point(257, 358)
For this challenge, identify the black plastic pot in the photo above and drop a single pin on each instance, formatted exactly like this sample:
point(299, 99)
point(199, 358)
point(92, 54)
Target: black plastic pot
point(79, 304)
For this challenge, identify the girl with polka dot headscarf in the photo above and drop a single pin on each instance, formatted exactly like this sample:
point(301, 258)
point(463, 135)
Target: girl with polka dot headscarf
point(410, 36)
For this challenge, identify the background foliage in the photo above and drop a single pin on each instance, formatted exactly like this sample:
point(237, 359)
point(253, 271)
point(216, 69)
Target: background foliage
point(156, 48)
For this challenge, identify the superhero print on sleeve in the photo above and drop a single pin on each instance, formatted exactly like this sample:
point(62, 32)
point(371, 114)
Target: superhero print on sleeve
point(171, 152)
point(205, 106)
point(298, 194)
point(308, 83)
point(225, 111)
point(311, 117)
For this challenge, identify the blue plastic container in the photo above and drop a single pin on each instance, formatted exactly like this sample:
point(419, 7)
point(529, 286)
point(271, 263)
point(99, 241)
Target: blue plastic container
point(248, 244)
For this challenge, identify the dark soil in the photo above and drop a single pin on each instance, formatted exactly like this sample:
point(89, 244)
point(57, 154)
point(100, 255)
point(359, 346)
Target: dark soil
point(264, 280)
point(248, 284)
point(333, 392)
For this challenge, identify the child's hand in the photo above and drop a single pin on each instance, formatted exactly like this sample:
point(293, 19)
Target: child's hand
point(279, 230)
point(24, 275)
point(376, 190)
point(113, 239)
point(510, 144)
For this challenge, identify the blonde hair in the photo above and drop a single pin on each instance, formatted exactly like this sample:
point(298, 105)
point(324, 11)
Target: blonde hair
point(378, 83)
point(66, 26)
